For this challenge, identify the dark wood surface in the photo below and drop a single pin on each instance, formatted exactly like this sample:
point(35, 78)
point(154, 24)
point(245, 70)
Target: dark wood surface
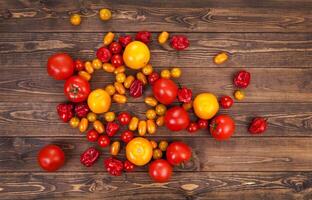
point(271, 39)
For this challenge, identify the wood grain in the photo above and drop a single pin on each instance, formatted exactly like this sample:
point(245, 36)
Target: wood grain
point(212, 16)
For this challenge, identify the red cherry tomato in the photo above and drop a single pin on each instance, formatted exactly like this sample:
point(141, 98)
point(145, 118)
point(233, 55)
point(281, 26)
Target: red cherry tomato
point(117, 60)
point(103, 141)
point(79, 65)
point(103, 54)
point(176, 119)
point(60, 66)
point(153, 77)
point(76, 89)
point(222, 127)
point(115, 47)
point(127, 136)
point(128, 166)
point(202, 123)
point(226, 102)
point(178, 153)
point(165, 91)
point(160, 170)
point(192, 127)
point(124, 118)
point(92, 135)
point(51, 158)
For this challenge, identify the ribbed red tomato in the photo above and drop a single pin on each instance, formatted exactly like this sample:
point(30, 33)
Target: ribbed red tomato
point(76, 89)
point(222, 127)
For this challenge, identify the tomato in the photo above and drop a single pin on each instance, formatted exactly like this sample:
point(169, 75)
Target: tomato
point(139, 151)
point(76, 89)
point(176, 119)
point(127, 136)
point(105, 14)
point(60, 66)
point(115, 47)
point(116, 60)
point(136, 55)
point(160, 170)
point(99, 101)
point(124, 118)
point(222, 127)
point(178, 153)
point(205, 105)
point(92, 135)
point(193, 127)
point(202, 124)
point(79, 65)
point(165, 91)
point(51, 158)
point(226, 102)
point(103, 141)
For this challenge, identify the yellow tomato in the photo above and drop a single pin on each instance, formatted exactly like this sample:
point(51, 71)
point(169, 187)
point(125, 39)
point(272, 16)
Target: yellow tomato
point(160, 121)
point(108, 38)
point(110, 89)
point(239, 95)
point(85, 75)
point(74, 122)
point(150, 114)
point(220, 58)
point(91, 117)
point(147, 70)
point(98, 126)
point(105, 14)
point(205, 105)
point(88, 67)
point(154, 144)
point(109, 116)
point(139, 151)
point(165, 73)
point(163, 37)
point(151, 101)
point(120, 69)
point(136, 55)
point(160, 109)
point(157, 154)
point(96, 63)
point(83, 125)
point(120, 77)
point(140, 76)
point(176, 72)
point(129, 80)
point(115, 148)
point(99, 101)
point(75, 19)
point(108, 67)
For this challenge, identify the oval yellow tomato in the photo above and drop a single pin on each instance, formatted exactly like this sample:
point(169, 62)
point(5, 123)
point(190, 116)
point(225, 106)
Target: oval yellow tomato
point(99, 101)
point(136, 55)
point(139, 151)
point(205, 105)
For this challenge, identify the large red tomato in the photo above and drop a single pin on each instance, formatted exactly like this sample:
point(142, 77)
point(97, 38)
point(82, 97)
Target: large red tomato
point(178, 153)
point(222, 127)
point(51, 158)
point(160, 170)
point(165, 91)
point(60, 66)
point(176, 119)
point(76, 89)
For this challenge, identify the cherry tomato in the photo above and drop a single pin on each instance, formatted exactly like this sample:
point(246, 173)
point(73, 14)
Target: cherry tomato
point(75, 19)
point(226, 102)
point(176, 119)
point(76, 89)
point(153, 77)
point(202, 123)
point(178, 153)
point(78, 65)
point(165, 91)
point(60, 66)
point(163, 145)
point(124, 118)
point(128, 166)
point(192, 127)
point(105, 14)
point(103, 54)
point(115, 47)
point(92, 135)
point(117, 60)
point(103, 141)
point(51, 158)
point(160, 170)
point(222, 127)
point(127, 136)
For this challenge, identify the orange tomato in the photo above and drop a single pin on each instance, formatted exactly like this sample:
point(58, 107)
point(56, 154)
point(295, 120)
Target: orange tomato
point(139, 151)
point(205, 105)
point(136, 55)
point(99, 101)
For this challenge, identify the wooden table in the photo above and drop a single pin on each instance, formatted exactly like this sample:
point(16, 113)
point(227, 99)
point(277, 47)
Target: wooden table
point(270, 39)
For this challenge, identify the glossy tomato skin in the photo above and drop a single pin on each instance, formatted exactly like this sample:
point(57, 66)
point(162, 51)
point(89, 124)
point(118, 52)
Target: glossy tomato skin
point(60, 66)
point(176, 119)
point(124, 118)
point(51, 158)
point(178, 153)
point(160, 170)
point(76, 89)
point(165, 91)
point(222, 127)
point(226, 102)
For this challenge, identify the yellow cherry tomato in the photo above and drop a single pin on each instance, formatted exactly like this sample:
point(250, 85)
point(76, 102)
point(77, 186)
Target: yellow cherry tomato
point(105, 14)
point(75, 19)
point(85, 75)
point(108, 38)
point(110, 89)
point(91, 117)
point(160, 109)
point(157, 154)
point(96, 63)
point(187, 106)
point(99, 101)
point(83, 125)
point(176, 72)
point(151, 126)
point(120, 69)
point(147, 70)
point(205, 105)
point(115, 148)
point(220, 58)
point(163, 145)
point(74, 122)
point(160, 121)
point(108, 67)
point(142, 128)
point(88, 67)
point(120, 77)
point(165, 73)
point(150, 114)
point(239, 94)
point(120, 98)
point(136, 55)
point(133, 125)
point(154, 144)
point(119, 88)
point(151, 101)
point(140, 76)
point(129, 80)
point(109, 116)
point(139, 151)
point(98, 126)
point(163, 37)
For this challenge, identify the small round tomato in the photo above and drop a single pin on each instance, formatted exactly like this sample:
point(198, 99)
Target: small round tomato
point(124, 118)
point(51, 158)
point(103, 54)
point(60, 66)
point(76, 89)
point(178, 153)
point(127, 136)
point(103, 141)
point(79, 65)
point(92, 135)
point(109, 116)
point(202, 123)
point(222, 127)
point(128, 166)
point(163, 145)
point(116, 60)
point(176, 119)
point(139, 151)
point(226, 102)
point(105, 14)
point(75, 19)
point(115, 47)
point(192, 127)
point(153, 77)
point(99, 101)
point(165, 91)
point(205, 105)
point(239, 95)
point(160, 170)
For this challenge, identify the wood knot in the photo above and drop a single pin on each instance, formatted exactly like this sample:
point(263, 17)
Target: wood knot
point(189, 187)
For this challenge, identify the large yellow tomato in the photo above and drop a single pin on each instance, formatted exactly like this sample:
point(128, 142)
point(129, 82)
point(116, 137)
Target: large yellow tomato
point(205, 105)
point(99, 101)
point(139, 151)
point(136, 55)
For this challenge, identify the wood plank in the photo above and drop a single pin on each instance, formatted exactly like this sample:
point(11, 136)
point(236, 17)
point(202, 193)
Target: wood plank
point(237, 154)
point(200, 16)
point(291, 119)
point(245, 49)
point(204, 185)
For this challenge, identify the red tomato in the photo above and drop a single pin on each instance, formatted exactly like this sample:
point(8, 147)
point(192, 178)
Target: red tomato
point(117, 60)
point(51, 158)
point(153, 77)
point(222, 127)
point(103, 141)
point(92, 135)
point(79, 65)
point(103, 54)
point(124, 118)
point(193, 127)
point(60, 66)
point(115, 47)
point(176, 119)
point(202, 123)
point(76, 89)
point(165, 91)
point(160, 170)
point(127, 136)
point(226, 102)
point(178, 153)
